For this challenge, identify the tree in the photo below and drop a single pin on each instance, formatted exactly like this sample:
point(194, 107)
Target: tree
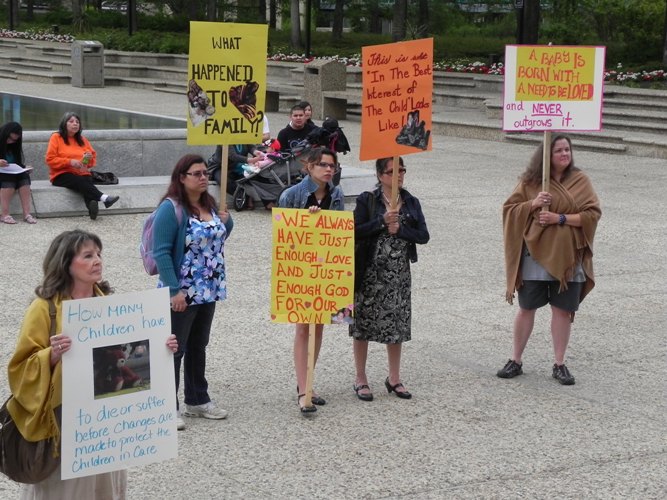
point(422, 19)
point(374, 17)
point(211, 11)
point(295, 21)
point(528, 22)
point(664, 39)
point(398, 29)
point(337, 30)
point(273, 8)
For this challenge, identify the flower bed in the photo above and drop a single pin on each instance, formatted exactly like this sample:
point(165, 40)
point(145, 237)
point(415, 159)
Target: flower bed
point(612, 76)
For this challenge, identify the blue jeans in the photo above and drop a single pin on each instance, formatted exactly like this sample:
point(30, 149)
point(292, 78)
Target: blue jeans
point(192, 328)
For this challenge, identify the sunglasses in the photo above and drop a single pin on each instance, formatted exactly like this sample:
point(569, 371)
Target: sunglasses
point(198, 173)
point(391, 172)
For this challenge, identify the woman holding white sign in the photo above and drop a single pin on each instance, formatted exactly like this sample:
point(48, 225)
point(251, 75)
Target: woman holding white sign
point(72, 270)
point(314, 193)
point(189, 242)
point(386, 243)
point(549, 251)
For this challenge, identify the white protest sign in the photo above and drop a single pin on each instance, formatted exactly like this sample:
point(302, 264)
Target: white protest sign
point(550, 87)
point(119, 396)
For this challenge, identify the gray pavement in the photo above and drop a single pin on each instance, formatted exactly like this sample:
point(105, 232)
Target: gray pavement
point(466, 433)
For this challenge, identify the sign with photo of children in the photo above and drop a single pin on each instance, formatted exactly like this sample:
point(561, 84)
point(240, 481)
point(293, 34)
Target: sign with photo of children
point(312, 269)
point(119, 401)
point(226, 87)
point(396, 109)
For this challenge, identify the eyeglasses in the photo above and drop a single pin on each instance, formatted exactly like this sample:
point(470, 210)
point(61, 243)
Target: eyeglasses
point(391, 172)
point(324, 164)
point(198, 173)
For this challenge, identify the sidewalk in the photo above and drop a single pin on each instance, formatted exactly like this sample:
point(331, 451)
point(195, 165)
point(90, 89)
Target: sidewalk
point(465, 433)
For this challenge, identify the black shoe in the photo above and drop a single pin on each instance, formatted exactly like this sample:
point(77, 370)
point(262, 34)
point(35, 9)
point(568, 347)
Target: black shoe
point(392, 388)
point(563, 375)
point(316, 400)
point(510, 370)
point(304, 409)
point(93, 208)
point(368, 396)
point(111, 200)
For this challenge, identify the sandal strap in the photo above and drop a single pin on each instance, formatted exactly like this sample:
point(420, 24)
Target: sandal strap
point(357, 388)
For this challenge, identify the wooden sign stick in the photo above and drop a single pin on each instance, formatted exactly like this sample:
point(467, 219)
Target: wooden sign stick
point(546, 163)
point(308, 398)
point(224, 165)
point(394, 184)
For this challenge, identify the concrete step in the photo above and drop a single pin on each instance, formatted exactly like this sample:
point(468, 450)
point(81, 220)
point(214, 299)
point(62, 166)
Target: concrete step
point(142, 194)
point(635, 126)
point(585, 145)
point(42, 76)
point(140, 59)
point(36, 64)
point(166, 73)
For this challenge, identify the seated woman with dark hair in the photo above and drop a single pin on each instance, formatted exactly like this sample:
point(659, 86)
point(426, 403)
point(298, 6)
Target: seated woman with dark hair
point(70, 157)
point(11, 151)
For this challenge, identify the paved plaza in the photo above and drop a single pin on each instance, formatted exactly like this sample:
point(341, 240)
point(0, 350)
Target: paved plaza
point(465, 433)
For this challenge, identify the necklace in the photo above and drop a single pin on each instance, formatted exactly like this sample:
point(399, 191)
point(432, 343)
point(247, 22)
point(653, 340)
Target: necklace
point(398, 199)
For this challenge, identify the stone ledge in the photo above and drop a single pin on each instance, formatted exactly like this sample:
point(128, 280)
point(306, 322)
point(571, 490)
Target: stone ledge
point(141, 194)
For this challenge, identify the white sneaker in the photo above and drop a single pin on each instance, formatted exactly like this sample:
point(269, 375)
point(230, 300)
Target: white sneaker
point(180, 424)
point(207, 410)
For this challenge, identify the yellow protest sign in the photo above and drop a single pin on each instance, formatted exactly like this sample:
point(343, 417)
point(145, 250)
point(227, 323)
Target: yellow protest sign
point(555, 73)
point(312, 269)
point(226, 83)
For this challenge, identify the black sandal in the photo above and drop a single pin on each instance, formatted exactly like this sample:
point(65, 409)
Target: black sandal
point(392, 388)
point(316, 400)
point(305, 409)
point(363, 397)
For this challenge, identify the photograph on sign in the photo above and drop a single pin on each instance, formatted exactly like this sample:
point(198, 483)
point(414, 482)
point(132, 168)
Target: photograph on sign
point(397, 98)
point(121, 369)
point(226, 86)
point(551, 87)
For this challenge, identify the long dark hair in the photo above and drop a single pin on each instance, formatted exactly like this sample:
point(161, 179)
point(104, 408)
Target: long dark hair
point(381, 165)
point(176, 189)
point(58, 259)
point(62, 128)
point(533, 173)
point(16, 148)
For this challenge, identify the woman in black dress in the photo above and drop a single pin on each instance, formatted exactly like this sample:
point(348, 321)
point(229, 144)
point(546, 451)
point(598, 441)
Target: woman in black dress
point(386, 245)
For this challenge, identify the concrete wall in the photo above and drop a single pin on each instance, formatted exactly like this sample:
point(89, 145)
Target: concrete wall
point(127, 153)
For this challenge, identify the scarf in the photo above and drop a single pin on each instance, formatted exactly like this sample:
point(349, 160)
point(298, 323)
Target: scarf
point(556, 248)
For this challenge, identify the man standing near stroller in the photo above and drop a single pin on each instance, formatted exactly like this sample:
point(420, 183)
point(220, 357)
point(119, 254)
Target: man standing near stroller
point(296, 132)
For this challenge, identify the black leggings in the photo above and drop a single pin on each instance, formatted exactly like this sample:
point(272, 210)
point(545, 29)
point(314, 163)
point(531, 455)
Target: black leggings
point(82, 184)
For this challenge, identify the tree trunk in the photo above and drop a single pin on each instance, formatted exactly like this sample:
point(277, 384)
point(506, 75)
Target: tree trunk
point(272, 13)
point(295, 20)
point(531, 22)
point(337, 30)
point(261, 11)
point(422, 19)
point(374, 17)
point(192, 11)
point(664, 45)
point(211, 14)
point(76, 8)
point(398, 28)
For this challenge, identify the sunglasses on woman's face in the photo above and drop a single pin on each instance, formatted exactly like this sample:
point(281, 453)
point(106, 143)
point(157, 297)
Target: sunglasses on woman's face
point(391, 172)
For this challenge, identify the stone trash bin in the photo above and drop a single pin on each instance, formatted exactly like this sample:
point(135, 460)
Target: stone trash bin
point(320, 76)
point(87, 64)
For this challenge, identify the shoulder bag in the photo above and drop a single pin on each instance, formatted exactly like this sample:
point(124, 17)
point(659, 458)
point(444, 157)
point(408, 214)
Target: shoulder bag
point(25, 461)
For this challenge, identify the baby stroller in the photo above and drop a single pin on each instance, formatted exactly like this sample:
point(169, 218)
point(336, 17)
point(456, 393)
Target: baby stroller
point(271, 180)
